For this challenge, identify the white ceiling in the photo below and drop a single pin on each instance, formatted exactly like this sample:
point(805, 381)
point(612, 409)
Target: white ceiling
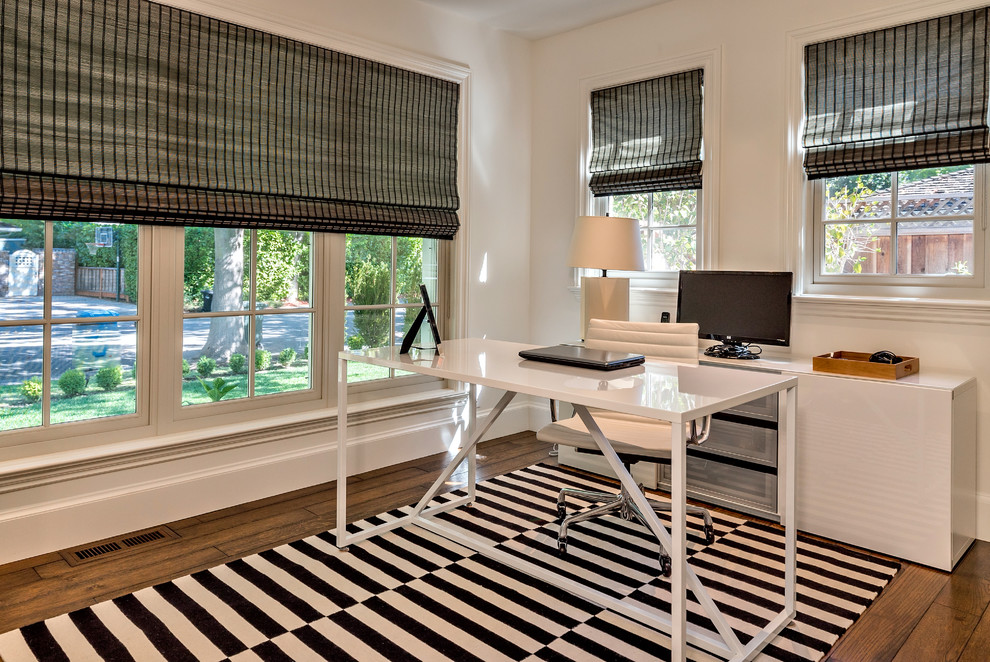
point(535, 19)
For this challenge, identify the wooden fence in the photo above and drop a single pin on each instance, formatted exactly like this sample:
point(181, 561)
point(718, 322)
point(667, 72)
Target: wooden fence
point(919, 254)
point(99, 282)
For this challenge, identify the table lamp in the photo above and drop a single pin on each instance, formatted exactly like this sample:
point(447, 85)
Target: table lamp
point(605, 242)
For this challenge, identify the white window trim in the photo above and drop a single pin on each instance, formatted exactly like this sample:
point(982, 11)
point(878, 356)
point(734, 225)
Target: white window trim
point(160, 346)
point(899, 285)
point(888, 302)
point(707, 236)
point(125, 425)
point(169, 380)
point(413, 383)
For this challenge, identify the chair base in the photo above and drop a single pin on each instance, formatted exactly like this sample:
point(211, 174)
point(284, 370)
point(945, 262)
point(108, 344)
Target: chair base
point(627, 509)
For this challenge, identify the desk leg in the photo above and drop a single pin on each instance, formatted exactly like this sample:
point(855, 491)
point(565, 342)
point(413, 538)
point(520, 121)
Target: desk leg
point(788, 517)
point(468, 437)
point(678, 552)
point(682, 575)
point(341, 453)
point(421, 514)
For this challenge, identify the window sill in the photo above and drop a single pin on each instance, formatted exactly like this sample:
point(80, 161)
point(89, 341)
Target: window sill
point(26, 472)
point(947, 311)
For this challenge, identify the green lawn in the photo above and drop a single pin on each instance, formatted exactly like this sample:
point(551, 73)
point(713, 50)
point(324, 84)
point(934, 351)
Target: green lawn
point(16, 412)
point(273, 380)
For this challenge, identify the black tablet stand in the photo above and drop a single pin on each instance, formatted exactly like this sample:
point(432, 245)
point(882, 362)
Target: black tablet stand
point(426, 312)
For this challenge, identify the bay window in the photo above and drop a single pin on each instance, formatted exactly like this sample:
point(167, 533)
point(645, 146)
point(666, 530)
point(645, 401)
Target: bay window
point(237, 189)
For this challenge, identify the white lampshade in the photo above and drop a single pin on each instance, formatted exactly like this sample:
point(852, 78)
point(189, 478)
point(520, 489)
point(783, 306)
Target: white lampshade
point(606, 242)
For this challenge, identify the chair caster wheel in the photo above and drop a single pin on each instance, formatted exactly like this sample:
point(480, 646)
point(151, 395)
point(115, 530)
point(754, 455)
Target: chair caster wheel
point(561, 546)
point(709, 534)
point(665, 565)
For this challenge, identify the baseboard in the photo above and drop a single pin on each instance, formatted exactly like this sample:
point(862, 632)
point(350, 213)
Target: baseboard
point(982, 516)
point(50, 517)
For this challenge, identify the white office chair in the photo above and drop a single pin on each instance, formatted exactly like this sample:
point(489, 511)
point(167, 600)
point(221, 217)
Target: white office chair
point(634, 438)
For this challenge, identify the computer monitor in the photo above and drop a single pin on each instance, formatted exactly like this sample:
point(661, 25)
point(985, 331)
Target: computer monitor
point(740, 309)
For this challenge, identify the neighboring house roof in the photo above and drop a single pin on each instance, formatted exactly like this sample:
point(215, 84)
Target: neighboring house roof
point(950, 194)
point(8, 228)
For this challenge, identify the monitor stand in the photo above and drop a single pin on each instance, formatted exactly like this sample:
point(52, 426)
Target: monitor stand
point(734, 350)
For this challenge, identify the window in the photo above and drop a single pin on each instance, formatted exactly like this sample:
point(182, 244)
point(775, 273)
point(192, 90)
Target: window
point(910, 224)
point(650, 132)
point(247, 319)
point(242, 322)
point(382, 279)
point(69, 322)
point(896, 200)
point(668, 225)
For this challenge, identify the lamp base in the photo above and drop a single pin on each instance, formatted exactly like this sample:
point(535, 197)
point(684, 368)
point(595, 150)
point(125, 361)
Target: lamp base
point(603, 298)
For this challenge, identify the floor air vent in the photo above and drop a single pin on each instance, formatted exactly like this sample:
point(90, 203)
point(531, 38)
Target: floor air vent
point(113, 547)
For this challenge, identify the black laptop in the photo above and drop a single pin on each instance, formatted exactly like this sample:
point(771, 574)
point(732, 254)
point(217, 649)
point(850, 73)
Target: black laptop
point(583, 357)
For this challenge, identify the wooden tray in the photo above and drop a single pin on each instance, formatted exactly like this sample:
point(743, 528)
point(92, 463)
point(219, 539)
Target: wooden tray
point(858, 364)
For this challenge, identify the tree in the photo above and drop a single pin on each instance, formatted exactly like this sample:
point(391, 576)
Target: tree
point(226, 333)
point(370, 284)
point(198, 271)
point(846, 244)
point(279, 268)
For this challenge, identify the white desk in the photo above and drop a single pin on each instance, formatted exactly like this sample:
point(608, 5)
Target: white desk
point(665, 391)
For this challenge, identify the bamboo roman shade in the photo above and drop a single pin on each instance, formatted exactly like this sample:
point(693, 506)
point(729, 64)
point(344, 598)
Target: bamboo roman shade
point(911, 96)
point(646, 136)
point(131, 111)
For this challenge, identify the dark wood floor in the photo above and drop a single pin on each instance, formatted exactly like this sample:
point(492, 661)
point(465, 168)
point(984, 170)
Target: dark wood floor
point(922, 615)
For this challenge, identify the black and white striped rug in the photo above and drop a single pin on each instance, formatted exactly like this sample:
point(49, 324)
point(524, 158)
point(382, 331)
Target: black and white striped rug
point(411, 595)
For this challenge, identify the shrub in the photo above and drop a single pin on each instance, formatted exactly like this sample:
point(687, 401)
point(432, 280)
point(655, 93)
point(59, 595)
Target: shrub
point(109, 377)
point(237, 364)
point(306, 352)
point(262, 359)
point(185, 367)
point(287, 356)
point(205, 366)
point(218, 388)
point(32, 389)
point(72, 383)
point(355, 342)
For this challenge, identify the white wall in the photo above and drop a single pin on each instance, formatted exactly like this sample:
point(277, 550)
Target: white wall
point(69, 498)
point(754, 228)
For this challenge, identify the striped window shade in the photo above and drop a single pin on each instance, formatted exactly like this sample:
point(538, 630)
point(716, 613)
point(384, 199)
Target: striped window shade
point(646, 136)
point(131, 111)
point(911, 96)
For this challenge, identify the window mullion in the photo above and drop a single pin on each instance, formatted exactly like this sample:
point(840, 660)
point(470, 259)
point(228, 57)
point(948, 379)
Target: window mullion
point(894, 185)
point(48, 328)
point(393, 296)
point(252, 310)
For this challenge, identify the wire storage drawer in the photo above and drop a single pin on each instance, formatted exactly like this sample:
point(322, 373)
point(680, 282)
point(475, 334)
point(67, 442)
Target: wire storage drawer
point(737, 439)
point(764, 408)
point(726, 485)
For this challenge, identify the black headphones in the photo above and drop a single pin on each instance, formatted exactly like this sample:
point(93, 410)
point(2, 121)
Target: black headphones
point(884, 356)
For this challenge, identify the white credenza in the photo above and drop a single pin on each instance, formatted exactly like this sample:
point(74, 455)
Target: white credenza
point(885, 465)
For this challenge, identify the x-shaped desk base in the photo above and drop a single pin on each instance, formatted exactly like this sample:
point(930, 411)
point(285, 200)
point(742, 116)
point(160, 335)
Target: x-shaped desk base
point(682, 577)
